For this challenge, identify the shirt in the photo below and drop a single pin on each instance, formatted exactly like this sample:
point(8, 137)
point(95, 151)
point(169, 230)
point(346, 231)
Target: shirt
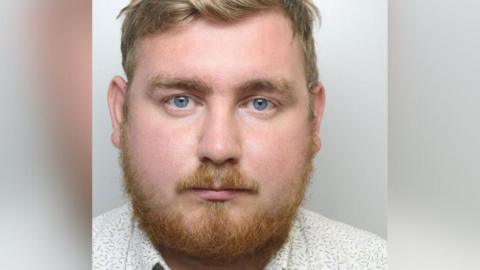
point(314, 243)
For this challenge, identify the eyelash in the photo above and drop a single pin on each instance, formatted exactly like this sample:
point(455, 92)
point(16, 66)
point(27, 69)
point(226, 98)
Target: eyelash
point(170, 99)
point(273, 104)
point(270, 103)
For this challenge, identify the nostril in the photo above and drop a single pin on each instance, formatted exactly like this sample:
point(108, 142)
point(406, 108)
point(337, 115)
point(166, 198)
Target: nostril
point(218, 162)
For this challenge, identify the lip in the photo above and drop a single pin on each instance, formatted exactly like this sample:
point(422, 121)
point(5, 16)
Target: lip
point(217, 194)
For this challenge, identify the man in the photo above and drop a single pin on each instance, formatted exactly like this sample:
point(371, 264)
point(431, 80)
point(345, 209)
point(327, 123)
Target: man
point(218, 123)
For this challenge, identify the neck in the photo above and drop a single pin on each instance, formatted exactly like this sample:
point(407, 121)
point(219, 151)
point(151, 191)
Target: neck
point(177, 261)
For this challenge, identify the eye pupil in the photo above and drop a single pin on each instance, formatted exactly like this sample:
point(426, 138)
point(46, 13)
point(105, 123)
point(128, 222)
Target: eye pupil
point(260, 104)
point(181, 101)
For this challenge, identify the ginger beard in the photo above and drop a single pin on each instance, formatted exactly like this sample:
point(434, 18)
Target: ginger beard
point(216, 238)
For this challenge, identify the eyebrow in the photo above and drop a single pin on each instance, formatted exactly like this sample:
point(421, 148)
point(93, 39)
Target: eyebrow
point(267, 85)
point(179, 83)
point(280, 86)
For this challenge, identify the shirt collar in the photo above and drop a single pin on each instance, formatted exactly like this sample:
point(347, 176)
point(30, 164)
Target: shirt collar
point(141, 252)
point(281, 259)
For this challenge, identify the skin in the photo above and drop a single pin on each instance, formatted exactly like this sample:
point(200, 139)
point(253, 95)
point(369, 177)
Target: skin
point(219, 66)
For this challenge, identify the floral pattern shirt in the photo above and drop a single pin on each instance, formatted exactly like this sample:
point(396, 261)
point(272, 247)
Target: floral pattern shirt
point(314, 243)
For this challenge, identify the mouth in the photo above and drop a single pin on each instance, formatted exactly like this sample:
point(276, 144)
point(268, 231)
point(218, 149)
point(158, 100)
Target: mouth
point(218, 194)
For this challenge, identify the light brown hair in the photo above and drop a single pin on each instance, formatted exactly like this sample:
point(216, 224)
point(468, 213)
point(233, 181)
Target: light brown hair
point(145, 17)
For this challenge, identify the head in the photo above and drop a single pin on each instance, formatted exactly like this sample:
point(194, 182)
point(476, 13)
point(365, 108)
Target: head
point(218, 122)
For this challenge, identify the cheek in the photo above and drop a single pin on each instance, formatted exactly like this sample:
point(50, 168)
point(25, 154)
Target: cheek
point(162, 154)
point(277, 158)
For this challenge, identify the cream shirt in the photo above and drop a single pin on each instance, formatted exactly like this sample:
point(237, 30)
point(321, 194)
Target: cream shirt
point(314, 243)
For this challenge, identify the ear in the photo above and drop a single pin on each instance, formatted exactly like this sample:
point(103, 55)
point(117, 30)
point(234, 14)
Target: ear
point(318, 106)
point(117, 96)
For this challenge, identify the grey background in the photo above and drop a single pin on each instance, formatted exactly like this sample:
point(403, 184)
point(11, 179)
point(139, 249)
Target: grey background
point(434, 135)
point(350, 179)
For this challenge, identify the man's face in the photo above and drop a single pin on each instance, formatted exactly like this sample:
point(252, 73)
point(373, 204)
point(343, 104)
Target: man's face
point(226, 98)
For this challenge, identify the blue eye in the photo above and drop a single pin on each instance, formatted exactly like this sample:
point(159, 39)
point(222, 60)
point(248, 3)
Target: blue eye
point(260, 104)
point(181, 101)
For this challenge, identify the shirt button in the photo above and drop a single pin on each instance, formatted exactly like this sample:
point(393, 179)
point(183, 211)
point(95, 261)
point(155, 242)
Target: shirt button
point(158, 267)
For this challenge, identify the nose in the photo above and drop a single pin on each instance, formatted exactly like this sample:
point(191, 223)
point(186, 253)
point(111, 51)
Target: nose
point(219, 142)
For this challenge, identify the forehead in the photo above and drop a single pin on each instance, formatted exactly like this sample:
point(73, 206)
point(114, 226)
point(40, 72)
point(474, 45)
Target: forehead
point(260, 45)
